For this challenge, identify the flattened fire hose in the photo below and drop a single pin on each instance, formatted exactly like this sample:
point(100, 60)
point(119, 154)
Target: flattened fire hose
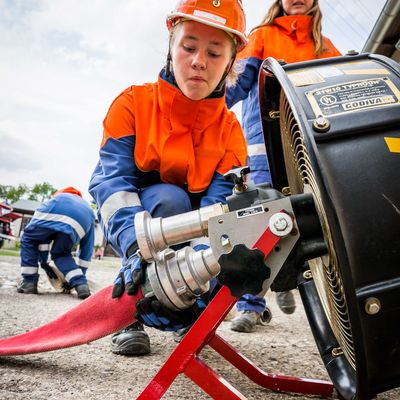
point(97, 316)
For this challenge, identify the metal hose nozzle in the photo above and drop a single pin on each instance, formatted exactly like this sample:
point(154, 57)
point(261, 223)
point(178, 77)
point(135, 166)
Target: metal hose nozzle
point(177, 278)
point(156, 234)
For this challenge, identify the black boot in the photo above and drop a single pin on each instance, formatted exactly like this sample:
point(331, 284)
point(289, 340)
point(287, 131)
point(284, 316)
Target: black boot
point(286, 302)
point(131, 341)
point(27, 287)
point(83, 291)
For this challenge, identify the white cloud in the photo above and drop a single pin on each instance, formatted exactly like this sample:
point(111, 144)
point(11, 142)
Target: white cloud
point(16, 155)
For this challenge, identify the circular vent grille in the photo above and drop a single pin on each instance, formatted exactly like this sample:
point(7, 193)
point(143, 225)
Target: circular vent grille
point(325, 271)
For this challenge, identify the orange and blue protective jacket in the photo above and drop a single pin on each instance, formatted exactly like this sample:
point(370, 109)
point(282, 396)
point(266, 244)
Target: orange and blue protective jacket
point(154, 134)
point(71, 215)
point(288, 38)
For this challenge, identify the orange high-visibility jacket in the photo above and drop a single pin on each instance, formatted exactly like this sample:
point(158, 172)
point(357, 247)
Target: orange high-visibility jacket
point(154, 134)
point(186, 141)
point(288, 38)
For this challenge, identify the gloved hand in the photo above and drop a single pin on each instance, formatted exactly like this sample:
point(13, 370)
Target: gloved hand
point(130, 277)
point(50, 273)
point(57, 281)
point(152, 313)
point(66, 287)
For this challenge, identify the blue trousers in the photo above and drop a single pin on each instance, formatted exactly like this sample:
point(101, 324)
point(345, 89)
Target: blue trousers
point(164, 200)
point(60, 253)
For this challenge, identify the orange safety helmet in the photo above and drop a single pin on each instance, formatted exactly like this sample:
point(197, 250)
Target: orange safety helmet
point(70, 190)
point(227, 15)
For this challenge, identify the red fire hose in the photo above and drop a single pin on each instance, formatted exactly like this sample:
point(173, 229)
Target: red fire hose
point(97, 316)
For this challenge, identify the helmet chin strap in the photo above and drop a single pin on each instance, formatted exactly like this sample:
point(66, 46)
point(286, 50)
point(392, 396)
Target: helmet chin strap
point(168, 65)
point(226, 73)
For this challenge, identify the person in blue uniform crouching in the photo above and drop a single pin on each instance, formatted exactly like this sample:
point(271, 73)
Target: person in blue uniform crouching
point(58, 226)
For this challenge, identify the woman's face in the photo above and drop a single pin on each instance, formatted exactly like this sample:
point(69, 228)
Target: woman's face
point(200, 55)
point(297, 7)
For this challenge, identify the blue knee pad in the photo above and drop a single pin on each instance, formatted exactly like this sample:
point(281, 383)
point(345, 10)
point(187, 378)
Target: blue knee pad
point(165, 200)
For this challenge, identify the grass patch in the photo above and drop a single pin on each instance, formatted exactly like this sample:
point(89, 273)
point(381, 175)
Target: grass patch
point(9, 252)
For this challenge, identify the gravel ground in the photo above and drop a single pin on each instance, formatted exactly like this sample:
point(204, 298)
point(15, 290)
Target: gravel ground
point(285, 346)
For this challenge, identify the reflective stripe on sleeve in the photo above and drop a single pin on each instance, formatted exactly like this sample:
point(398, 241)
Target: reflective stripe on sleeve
point(61, 218)
point(29, 270)
point(44, 247)
point(73, 273)
point(115, 202)
point(83, 263)
point(256, 149)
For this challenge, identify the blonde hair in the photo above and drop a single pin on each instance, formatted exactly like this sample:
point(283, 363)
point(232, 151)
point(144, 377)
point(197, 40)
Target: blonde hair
point(276, 10)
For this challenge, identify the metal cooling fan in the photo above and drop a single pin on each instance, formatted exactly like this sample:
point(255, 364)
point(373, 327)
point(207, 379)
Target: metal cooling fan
point(331, 129)
point(324, 270)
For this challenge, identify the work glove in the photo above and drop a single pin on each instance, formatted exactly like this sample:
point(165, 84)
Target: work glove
point(66, 287)
point(58, 282)
point(131, 275)
point(49, 271)
point(152, 313)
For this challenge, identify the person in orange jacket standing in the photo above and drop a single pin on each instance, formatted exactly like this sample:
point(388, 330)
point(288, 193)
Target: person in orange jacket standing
point(166, 146)
point(290, 31)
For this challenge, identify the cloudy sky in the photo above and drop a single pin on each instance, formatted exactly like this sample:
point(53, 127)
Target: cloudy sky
point(62, 62)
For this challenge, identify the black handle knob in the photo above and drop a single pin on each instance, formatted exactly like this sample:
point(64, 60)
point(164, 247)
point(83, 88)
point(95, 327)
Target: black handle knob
point(243, 271)
point(237, 175)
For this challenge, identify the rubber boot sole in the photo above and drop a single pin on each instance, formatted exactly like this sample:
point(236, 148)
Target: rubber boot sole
point(137, 346)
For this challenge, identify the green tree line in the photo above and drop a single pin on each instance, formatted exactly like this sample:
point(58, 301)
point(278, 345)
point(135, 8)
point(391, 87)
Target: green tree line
point(38, 192)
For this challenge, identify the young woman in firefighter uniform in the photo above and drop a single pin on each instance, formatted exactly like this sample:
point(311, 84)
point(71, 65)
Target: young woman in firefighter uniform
point(166, 145)
point(57, 226)
point(290, 31)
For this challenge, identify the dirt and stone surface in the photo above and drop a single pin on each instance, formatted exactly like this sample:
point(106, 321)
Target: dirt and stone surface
point(285, 346)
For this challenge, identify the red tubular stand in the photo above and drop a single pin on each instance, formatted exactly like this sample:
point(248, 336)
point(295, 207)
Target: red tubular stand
point(185, 358)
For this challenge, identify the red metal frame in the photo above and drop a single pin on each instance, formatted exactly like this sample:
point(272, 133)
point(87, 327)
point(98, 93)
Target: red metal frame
point(185, 358)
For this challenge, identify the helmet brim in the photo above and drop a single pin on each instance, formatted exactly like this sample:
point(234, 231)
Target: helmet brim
point(241, 38)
